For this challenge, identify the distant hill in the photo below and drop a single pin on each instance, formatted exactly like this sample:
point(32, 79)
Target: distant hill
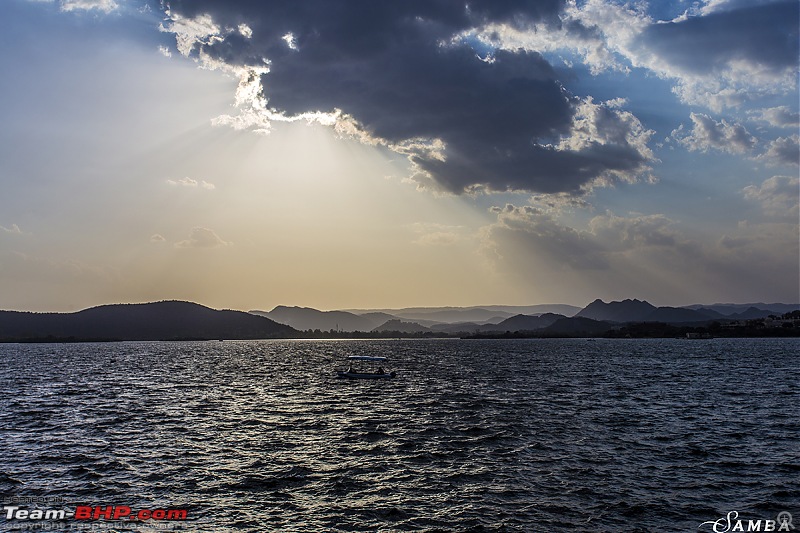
point(454, 315)
point(420, 321)
point(512, 324)
point(732, 309)
point(402, 327)
point(578, 326)
point(305, 318)
point(710, 313)
point(475, 314)
point(624, 311)
point(377, 318)
point(642, 311)
point(168, 320)
point(527, 322)
point(457, 327)
point(752, 313)
point(674, 315)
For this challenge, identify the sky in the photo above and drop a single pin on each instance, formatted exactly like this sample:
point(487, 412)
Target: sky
point(245, 154)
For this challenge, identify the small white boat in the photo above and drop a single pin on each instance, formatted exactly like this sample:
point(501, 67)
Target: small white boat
point(372, 372)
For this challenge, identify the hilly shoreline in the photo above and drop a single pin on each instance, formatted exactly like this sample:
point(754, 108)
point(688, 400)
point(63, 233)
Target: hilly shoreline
point(178, 320)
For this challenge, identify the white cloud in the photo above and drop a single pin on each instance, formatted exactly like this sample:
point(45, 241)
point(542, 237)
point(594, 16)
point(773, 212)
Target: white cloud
point(782, 151)
point(779, 196)
point(191, 32)
point(626, 233)
point(245, 31)
point(253, 112)
point(709, 134)
point(13, 229)
point(157, 238)
point(249, 99)
point(437, 234)
point(202, 238)
point(731, 137)
point(106, 6)
point(715, 6)
point(290, 41)
point(613, 36)
point(559, 202)
point(599, 33)
point(781, 117)
point(189, 182)
point(606, 124)
point(164, 51)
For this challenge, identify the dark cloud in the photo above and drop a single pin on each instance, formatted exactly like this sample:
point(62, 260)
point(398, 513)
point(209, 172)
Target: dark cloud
point(396, 70)
point(763, 35)
point(526, 167)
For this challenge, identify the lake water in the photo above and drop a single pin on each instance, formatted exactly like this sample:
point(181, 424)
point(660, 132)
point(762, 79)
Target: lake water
point(472, 435)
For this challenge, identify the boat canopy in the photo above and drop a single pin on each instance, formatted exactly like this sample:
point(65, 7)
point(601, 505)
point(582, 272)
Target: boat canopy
point(365, 358)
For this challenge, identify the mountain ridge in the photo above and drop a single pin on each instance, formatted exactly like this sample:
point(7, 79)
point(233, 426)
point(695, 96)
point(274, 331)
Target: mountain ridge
point(164, 320)
point(305, 318)
point(617, 311)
